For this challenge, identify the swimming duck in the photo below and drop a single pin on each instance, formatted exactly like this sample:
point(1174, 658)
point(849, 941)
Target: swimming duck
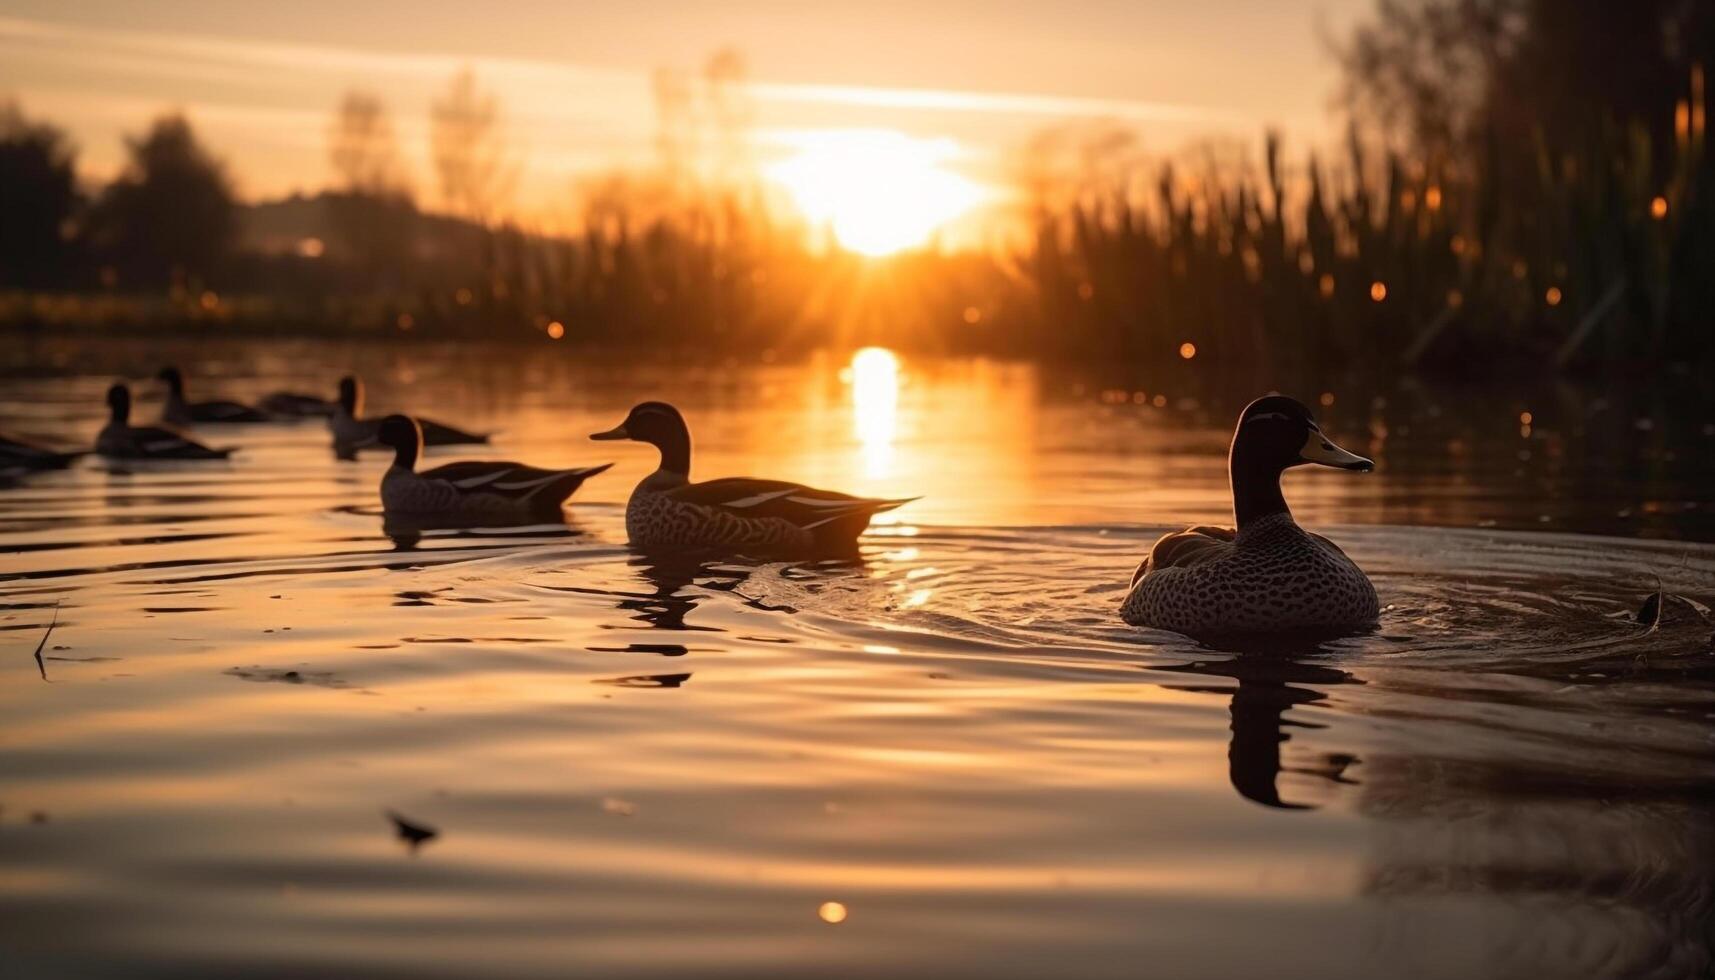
point(476, 491)
point(177, 411)
point(18, 458)
point(352, 432)
point(292, 404)
point(1270, 575)
point(668, 511)
point(121, 439)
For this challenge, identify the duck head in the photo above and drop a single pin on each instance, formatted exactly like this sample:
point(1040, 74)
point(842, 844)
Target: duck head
point(174, 381)
point(119, 404)
point(350, 395)
point(660, 425)
point(404, 436)
point(1274, 434)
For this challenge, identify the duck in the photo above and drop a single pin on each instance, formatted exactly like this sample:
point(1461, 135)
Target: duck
point(120, 439)
point(177, 411)
point(667, 511)
point(18, 457)
point(297, 405)
point(351, 431)
point(476, 490)
point(1266, 575)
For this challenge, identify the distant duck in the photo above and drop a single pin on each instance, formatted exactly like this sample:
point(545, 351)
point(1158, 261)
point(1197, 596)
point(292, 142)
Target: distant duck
point(668, 511)
point(177, 411)
point(18, 458)
point(1270, 576)
point(475, 491)
point(292, 404)
point(351, 431)
point(122, 440)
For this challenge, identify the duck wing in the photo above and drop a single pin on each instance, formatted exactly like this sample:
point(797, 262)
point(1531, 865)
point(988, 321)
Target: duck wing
point(1185, 549)
point(514, 481)
point(799, 505)
point(224, 412)
point(441, 434)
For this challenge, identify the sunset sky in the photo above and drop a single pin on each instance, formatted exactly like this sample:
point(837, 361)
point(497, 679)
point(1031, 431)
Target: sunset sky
point(260, 81)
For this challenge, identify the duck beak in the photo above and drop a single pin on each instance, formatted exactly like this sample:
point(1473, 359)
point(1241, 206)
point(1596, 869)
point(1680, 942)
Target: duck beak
point(1320, 449)
point(617, 432)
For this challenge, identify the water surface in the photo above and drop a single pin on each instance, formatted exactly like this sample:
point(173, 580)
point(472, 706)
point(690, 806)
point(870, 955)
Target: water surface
point(951, 747)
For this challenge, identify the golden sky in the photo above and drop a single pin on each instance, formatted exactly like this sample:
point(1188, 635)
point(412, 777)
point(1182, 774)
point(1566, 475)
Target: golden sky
point(260, 81)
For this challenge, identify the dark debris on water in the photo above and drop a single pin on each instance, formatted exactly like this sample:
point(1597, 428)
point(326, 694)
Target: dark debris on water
point(414, 834)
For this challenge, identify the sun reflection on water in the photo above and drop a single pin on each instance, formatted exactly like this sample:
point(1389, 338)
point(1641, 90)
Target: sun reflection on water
point(874, 376)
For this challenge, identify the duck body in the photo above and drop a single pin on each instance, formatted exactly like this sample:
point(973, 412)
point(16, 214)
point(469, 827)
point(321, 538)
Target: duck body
point(763, 517)
point(667, 511)
point(1269, 575)
point(292, 404)
point(122, 440)
point(352, 432)
point(18, 457)
point(178, 411)
point(476, 491)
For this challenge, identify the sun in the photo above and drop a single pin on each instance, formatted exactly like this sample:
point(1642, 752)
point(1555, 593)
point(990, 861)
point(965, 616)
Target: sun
point(878, 189)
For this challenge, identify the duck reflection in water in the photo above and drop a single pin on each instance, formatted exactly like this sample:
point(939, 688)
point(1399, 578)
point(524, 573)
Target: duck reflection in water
point(1268, 687)
point(407, 532)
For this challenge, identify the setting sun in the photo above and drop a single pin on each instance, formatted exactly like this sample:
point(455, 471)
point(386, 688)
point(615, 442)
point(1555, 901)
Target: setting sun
point(878, 190)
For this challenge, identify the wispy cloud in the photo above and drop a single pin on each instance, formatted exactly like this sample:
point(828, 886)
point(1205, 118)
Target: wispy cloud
point(952, 100)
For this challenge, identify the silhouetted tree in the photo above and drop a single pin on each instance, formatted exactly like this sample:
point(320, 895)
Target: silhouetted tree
point(364, 150)
point(371, 211)
point(469, 150)
point(37, 194)
point(170, 214)
point(1444, 74)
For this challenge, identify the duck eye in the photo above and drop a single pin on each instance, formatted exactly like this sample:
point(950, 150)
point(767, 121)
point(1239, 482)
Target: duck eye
point(1328, 446)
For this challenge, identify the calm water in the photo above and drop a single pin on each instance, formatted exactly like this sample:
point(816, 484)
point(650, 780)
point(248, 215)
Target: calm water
point(641, 769)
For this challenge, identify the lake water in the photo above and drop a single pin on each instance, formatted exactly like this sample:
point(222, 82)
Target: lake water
point(949, 759)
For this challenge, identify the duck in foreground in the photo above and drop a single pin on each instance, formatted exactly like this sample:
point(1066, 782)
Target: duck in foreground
point(668, 511)
point(351, 431)
point(473, 491)
point(120, 439)
point(18, 458)
point(1270, 575)
point(178, 411)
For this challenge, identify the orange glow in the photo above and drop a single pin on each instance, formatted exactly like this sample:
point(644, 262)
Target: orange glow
point(832, 913)
point(1658, 208)
point(1327, 399)
point(1378, 290)
point(1187, 350)
point(1326, 284)
point(1525, 418)
point(1432, 198)
point(556, 330)
point(874, 373)
point(879, 190)
point(1552, 296)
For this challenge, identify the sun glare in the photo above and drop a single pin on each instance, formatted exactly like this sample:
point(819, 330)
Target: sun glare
point(879, 190)
point(874, 374)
